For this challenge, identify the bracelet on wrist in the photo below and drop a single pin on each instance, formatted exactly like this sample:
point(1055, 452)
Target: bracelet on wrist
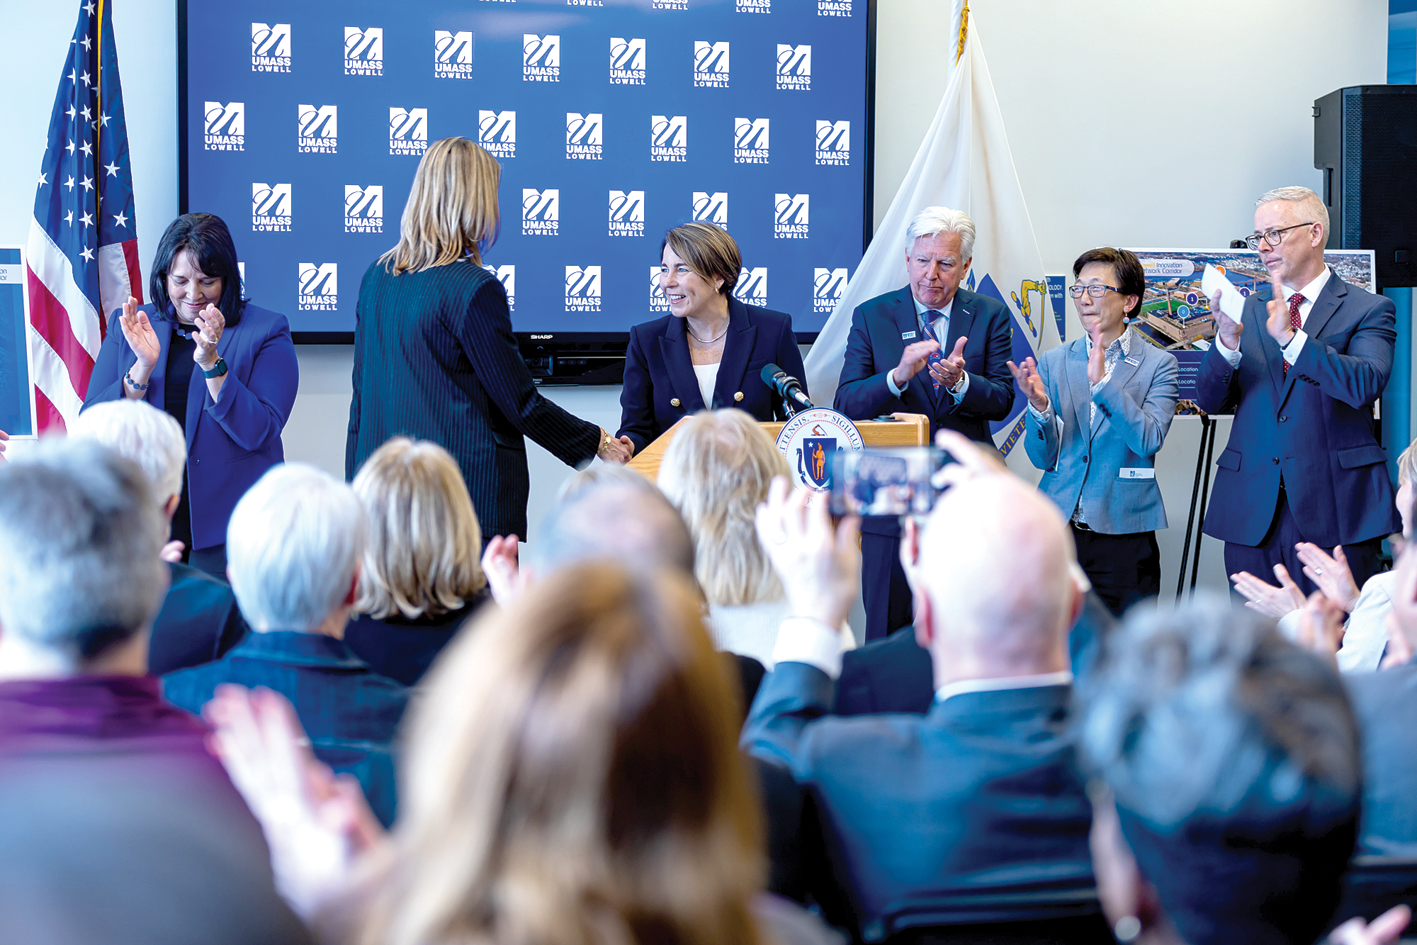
point(128, 376)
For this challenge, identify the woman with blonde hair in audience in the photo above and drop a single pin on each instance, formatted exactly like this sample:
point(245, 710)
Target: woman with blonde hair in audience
point(421, 577)
point(572, 778)
point(716, 471)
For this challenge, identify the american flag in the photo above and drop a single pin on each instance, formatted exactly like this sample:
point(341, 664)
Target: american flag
point(82, 253)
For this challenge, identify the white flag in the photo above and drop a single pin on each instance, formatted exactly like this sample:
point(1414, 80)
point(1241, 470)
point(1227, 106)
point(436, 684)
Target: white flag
point(964, 163)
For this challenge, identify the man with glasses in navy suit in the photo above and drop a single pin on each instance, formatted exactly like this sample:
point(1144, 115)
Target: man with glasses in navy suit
point(1300, 371)
point(930, 348)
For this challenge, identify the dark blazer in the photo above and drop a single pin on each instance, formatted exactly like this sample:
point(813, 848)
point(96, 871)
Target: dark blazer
point(1313, 428)
point(403, 649)
point(896, 675)
point(198, 623)
point(983, 790)
point(660, 385)
point(1383, 703)
point(232, 442)
point(435, 359)
point(350, 714)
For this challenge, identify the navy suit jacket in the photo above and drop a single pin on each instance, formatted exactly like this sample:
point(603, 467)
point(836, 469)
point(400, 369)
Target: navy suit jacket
point(981, 792)
point(350, 714)
point(198, 623)
point(660, 385)
point(1314, 428)
point(230, 442)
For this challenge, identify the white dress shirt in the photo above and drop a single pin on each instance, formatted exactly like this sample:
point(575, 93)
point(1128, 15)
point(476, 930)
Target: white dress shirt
point(1296, 344)
point(941, 329)
point(707, 376)
point(999, 683)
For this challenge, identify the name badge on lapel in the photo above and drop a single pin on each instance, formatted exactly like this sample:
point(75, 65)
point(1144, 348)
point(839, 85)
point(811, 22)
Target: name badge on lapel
point(1136, 472)
point(907, 335)
point(1133, 362)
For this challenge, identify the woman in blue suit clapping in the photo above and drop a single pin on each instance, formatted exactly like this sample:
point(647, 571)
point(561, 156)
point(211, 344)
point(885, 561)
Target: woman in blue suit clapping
point(1098, 411)
point(709, 351)
point(224, 368)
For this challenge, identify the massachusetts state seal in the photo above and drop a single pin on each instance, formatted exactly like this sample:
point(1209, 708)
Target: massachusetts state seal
point(811, 439)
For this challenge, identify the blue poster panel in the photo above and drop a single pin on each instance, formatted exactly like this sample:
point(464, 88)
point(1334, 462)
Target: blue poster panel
point(612, 122)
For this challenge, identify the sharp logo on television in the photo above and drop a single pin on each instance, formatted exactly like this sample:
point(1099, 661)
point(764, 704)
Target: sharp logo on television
point(669, 4)
point(408, 130)
point(584, 134)
point(657, 301)
point(317, 129)
point(452, 54)
point(710, 65)
point(668, 138)
point(225, 126)
point(789, 216)
point(752, 287)
point(627, 213)
point(507, 275)
point(794, 67)
point(582, 288)
point(711, 208)
point(319, 287)
point(827, 287)
point(497, 133)
point(270, 47)
point(750, 140)
point(627, 61)
point(541, 212)
point(834, 142)
point(364, 208)
point(541, 58)
point(833, 7)
point(364, 50)
point(753, 6)
point(270, 208)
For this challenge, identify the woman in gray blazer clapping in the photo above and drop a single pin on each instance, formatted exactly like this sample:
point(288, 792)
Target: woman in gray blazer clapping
point(1098, 411)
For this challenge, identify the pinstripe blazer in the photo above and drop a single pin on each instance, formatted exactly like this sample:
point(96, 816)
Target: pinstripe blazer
point(1092, 461)
point(435, 359)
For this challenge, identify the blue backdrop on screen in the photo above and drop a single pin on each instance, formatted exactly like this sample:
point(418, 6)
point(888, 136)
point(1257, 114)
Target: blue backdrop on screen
point(612, 124)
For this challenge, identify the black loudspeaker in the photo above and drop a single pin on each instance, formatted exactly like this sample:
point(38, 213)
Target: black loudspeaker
point(1365, 143)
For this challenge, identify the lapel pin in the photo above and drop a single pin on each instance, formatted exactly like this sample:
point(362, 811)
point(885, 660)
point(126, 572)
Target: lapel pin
point(907, 335)
point(1133, 362)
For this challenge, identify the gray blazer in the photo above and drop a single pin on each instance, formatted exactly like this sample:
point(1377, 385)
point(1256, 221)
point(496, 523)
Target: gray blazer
point(1107, 464)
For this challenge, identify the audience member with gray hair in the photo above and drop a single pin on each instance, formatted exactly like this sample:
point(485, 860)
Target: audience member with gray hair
point(981, 792)
point(1228, 778)
point(199, 620)
point(930, 348)
point(293, 551)
point(119, 826)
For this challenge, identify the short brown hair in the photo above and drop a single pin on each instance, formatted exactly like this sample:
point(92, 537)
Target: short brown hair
point(424, 542)
point(708, 250)
point(1125, 266)
point(573, 776)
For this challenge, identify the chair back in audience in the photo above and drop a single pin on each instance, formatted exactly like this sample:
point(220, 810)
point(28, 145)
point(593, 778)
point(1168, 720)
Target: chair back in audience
point(1029, 913)
point(1374, 884)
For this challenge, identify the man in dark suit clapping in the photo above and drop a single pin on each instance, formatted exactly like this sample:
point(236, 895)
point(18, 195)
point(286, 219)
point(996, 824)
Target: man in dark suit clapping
point(930, 348)
point(983, 786)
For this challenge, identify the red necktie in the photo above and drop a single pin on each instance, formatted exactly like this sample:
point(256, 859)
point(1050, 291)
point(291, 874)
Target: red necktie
point(1295, 301)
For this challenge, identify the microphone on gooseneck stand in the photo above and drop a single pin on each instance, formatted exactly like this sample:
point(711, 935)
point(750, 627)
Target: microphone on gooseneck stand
point(788, 387)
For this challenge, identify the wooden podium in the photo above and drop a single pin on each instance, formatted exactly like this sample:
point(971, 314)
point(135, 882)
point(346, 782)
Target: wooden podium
point(907, 429)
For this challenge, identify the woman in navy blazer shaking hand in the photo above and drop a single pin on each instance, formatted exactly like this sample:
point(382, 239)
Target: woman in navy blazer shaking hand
point(223, 368)
point(709, 351)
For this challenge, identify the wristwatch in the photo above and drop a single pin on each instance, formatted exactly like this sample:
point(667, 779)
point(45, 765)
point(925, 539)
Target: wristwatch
point(218, 369)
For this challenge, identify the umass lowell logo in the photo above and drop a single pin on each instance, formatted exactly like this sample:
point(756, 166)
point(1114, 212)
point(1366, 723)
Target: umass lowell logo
point(627, 61)
point(497, 133)
point(668, 138)
point(270, 208)
point(827, 288)
point(452, 54)
point(790, 213)
point(711, 208)
point(710, 64)
point(582, 288)
point(319, 287)
point(750, 140)
point(225, 126)
point(270, 47)
point(541, 57)
point(794, 67)
point(627, 213)
point(364, 208)
point(541, 212)
point(657, 301)
point(408, 130)
point(834, 142)
point(317, 129)
point(752, 287)
point(584, 134)
point(507, 275)
point(364, 50)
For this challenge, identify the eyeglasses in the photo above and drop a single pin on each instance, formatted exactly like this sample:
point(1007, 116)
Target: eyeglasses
point(1272, 236)
point(1097, 290)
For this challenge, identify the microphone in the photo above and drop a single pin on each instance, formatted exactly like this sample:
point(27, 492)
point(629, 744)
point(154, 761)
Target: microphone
point(787, 386)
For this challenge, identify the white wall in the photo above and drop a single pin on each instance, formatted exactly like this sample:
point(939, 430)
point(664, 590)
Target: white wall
point(1189, 135)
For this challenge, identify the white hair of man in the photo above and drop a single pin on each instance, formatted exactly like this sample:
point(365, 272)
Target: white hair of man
point(933, 221)
point(79, 540)
point(293, 547)
point(1308, 203)
point(139, 431)
point(1001, 603)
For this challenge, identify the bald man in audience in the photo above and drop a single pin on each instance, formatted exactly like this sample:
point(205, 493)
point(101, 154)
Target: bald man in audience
point(980, 790)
